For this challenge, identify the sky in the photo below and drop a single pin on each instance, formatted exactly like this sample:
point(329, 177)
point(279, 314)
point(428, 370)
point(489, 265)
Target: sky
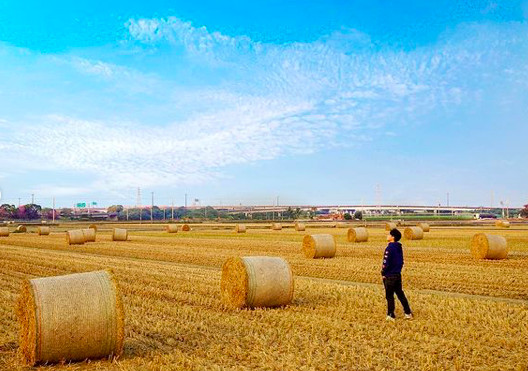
point(237, 102)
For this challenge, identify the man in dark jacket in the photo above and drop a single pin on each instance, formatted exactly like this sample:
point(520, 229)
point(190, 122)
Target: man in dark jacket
point(391, 273)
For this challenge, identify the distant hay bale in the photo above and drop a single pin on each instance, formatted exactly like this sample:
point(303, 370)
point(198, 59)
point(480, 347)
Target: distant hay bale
point(75, 237)
point(502, 224)
point(300, 227)
point(89, 234)
point(488, 246)
point(424, 226)
point(319, 246)
point(359, 234)
point(119, 234)
point(21, 229)
point(341, 225)
point(70, 318)
point(93, 226)
point(43, 231)
point(172, 228)
point(276, 226)
point(4, 232)
point(240, 228)
point(256, 281)
point(186, 228)
point(390, 226)
point(413, 233)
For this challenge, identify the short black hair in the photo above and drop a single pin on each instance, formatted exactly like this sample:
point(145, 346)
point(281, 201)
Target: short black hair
point(396, 234)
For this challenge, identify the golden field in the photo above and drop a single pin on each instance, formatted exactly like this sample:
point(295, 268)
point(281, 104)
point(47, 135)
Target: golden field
point(469, 314)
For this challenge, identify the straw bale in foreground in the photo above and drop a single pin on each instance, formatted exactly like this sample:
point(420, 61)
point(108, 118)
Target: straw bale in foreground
point(488, 246)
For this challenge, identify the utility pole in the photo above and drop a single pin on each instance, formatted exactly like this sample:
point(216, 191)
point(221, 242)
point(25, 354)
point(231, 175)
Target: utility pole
point(172, 210)
point(138, 205)
point(19, 202)
point(186, 201)
point(53, 212)
point(152, 208)
point(126, 213)
point(32, 199)
point(447, 199)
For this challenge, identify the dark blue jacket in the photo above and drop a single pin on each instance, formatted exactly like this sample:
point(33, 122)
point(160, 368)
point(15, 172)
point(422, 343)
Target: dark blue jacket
point(392, 260)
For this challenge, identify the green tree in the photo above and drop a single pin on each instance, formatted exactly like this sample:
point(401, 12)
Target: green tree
point(524, 212)
point(347, 216)
point(358, 215)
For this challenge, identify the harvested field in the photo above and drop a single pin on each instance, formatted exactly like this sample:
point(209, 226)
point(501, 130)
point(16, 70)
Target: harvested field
point(470, 314)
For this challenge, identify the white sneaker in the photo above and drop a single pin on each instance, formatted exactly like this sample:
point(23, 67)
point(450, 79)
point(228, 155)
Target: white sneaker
point(389, 318)
point(408, 316)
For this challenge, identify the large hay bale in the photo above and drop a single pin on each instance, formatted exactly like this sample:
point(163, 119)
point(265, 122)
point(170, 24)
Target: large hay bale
point(186, 228)
point(256, 281)
point(502, 224)
point(319, 246)
point(240, 228)
point(389, 226)
point(172, 228)
point(75, 237)
point(70, 318)
point(425, 226)
point(89, 234)
point(300, 227)
point(119, 234)
point(488, 246)
point(276, 226)
point(359, 234)
point(93, 226)
point(43, 231)
point(4, 232)
point(413, 233)
point(21, 229)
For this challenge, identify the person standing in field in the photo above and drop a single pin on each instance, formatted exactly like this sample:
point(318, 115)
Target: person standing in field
point(391, 273)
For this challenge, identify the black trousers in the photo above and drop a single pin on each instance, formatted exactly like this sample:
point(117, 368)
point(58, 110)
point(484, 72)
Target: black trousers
point(393, 285)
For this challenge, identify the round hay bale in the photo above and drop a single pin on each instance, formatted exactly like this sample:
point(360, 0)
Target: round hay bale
point(93, 226)
point(276, 226)
point(186, 228)
point(319, 246)
point(119, 234)
point(172, 228)
point(390, 226)
point(413, 233)
point(489, 246)
point(300, 227)
point(70, 318)
point(75, 237)
point(21, 229)
point(89, 234)
point(502, 224)
point(256, 281)
point(359, 234)
point(424, 226)
point(4, 232)
point(240, 228)
point(43, 231)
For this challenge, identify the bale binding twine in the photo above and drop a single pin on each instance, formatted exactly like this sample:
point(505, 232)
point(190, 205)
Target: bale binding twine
point(319, 246)
point(119, 234)
point(359, 234)
point(489, 246)
point(256, 281)
point(172, 228)
point(413, 233)
point(75, 237)
point(43, 231)
point(70, 318)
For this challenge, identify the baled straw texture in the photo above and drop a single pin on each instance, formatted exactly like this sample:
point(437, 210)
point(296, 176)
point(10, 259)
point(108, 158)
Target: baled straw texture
point(89, 234)
point(300, 227)
point(172, 228)
point(186, 227)
point(75, 237)
point(43, 231)
point(390, 226)
point(4, 232)
point(319, 246)
point(341, 225)
point(240, 228)
point(413, 233)
point(70, 318)
point(21, 228)
point(488, 246)
point(276, 226)
point(256, 281)
point(425, 226)
point(502, 223)
point(359, 234)
point(119, 234)
point(93, 226)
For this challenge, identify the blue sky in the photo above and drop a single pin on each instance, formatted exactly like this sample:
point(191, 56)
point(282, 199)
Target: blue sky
point(240, 102)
